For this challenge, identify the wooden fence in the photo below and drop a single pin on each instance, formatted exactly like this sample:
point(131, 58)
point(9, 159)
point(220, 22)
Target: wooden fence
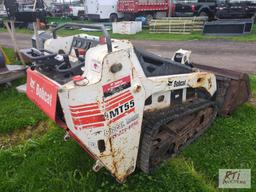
point(177, 25)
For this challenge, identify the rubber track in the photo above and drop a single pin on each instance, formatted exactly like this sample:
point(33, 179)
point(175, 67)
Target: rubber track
point(154, 120)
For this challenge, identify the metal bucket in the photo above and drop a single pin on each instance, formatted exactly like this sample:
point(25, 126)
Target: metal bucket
point(233, 88)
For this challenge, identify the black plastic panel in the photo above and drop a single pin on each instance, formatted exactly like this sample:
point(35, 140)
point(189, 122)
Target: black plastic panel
point(228, 27)
point(154, 65)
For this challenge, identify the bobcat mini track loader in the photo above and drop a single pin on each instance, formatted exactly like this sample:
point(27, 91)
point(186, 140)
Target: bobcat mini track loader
point(125, 107)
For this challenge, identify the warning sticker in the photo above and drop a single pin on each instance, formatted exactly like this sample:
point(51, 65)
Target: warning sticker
point(117, 86)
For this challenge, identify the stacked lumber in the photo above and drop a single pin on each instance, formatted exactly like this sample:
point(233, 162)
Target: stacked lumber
point(177, 25)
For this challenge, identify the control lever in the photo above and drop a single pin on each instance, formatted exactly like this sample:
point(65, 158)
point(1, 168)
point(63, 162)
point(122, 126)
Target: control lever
point(77, 53)
point(66, 60)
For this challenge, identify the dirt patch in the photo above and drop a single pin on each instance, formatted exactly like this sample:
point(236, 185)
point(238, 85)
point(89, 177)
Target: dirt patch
point(21, 135)
point(253, 101)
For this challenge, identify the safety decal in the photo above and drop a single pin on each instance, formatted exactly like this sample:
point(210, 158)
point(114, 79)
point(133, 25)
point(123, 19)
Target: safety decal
point(116, 86)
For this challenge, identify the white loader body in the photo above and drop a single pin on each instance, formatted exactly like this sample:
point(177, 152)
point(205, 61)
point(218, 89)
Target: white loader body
point(101, 97)
point(105, 112)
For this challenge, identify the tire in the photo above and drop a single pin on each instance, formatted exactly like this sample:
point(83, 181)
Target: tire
point(81, 16)
point(203, 14)
point(129, 17)
point(113, 17)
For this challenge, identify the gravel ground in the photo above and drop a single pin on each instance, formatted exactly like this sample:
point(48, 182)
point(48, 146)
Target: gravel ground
point(236, 56)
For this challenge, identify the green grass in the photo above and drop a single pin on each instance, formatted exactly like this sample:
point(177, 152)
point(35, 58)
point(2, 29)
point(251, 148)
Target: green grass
point(230, 143)
point(10, 54)
point(145, 35)
point(61, 20)
point(50, 164)
point(16, 110)
point(47, 163)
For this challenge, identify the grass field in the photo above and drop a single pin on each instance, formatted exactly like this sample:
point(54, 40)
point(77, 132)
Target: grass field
point(44, 162)
point(145, 35)
point(47, 163)
point(16, 111)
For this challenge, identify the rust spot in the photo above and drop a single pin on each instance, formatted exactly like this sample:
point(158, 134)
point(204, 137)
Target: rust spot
point(210, 83)
point(137, 88)
point(200, 80)
point(128, 172)
point(113, 156)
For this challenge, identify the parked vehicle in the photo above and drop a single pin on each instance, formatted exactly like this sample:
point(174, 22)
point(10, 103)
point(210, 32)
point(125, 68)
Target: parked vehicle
point(214, 8)
point(182, 8)
point(26, 7)
point(25, 13)
point(149, 8)
point(3, 12)
point(77, 11)
point(102, 9)
point(235, 9)
point(58, 9)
